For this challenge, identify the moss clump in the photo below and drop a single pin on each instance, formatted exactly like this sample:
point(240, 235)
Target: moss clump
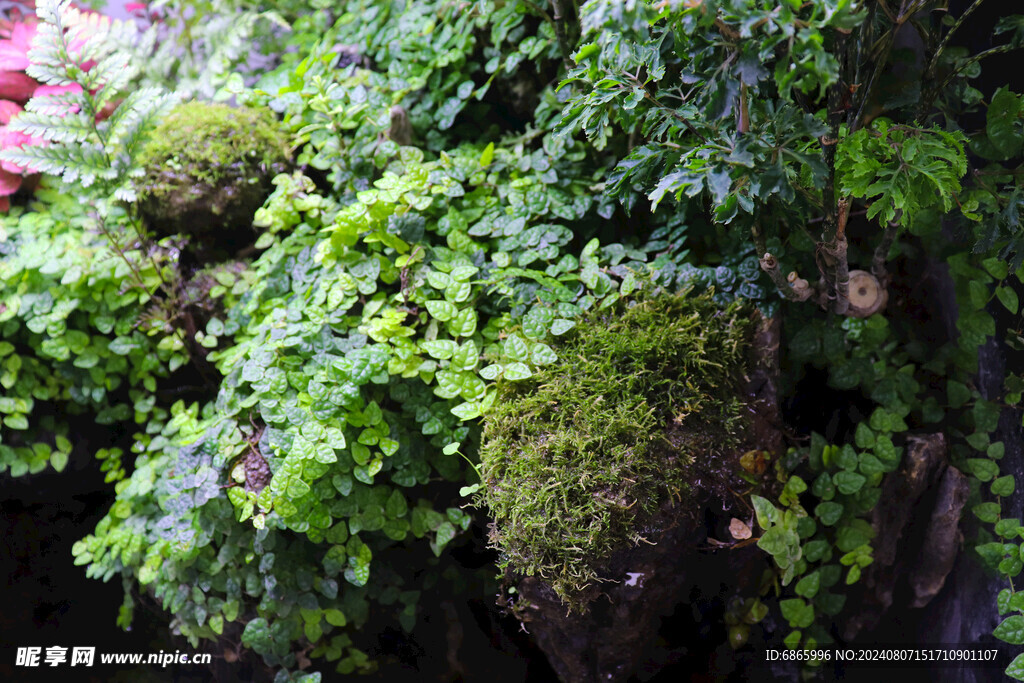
point(643, 402)
point(208, 168)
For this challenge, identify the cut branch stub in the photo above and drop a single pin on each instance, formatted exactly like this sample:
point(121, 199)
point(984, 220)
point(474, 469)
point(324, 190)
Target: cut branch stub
point(801, 287)
point(867, 296)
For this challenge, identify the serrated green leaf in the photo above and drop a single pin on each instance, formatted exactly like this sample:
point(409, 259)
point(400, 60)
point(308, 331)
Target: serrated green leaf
point(491, 372)
point(1016, 668)
point(808, 586)
point(1003, 486)
point(767, 514)
point(828, 512)
point(467, 411)
point(463, 323)
point(848, 483)
point(442, 349)
point(467, 356)
point(978, 294)
point(983, 468)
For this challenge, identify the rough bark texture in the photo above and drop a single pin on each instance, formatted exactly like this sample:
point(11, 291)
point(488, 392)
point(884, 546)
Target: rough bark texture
point(941, 540)
point(763, 388)
point(898, 517)
point(604, 644)
point(964, 610)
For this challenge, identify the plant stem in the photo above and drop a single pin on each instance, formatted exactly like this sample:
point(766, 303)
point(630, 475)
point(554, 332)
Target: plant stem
point(833, 237)
point(881, 254)
point(879, 63)
point(949, 34)
point(770, 265)
point(102, 224)
point(842, 281)
point(560, 21)
point(976, 58)
point(540, 12)
point(669, 110)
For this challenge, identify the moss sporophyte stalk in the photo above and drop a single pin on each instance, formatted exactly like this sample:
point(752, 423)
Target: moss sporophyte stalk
point(640, 406)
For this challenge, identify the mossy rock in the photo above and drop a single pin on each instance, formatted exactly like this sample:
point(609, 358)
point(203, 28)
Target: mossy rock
point(208, 169)
point(641, 416)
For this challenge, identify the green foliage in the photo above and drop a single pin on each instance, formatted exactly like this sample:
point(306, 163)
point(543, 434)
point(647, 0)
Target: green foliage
point(401, 292)
point(338, 117)
point(902, 170)
point(351, 358)
point(95, 154)
point(441, 58)
point(367, 335)
point(72, 345)
point(710, 89)
point(998, 194)
point(770, 117)
point(203, 48)
point(576, 457)
point(819, 532)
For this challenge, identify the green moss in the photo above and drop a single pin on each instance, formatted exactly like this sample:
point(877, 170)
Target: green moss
point(211, 141)
point(208, 167)
point(643, 401)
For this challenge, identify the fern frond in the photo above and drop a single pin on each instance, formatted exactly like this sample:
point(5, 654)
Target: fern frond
point(125, 192)
point(69, 128)
point(51, 11)
point(85, 162)
point(57, 103)
point(112, 76)
point(67, 38)
point(48, 57)
point(235, 42)
point(218, 47)
point(92, 21)
point(138, 112)
point(101, 35)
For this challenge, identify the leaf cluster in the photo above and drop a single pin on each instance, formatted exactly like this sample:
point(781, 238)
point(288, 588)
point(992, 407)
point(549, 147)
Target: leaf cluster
point(73, 342)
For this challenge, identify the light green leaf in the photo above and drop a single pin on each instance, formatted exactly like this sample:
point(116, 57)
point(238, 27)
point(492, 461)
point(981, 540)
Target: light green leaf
point(1011, 630)
point(516, 348)
point(491, 372)
point(560, 326)
point(542, 354)
point(442, 349)
point(441, 310)
point(467, 356)
point(467, 411)
point(517, 371)
point(463, 323)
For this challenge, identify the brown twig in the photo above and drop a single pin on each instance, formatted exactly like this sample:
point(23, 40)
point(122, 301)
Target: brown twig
point(770, 265)
point(842, 264)
point(833, 240)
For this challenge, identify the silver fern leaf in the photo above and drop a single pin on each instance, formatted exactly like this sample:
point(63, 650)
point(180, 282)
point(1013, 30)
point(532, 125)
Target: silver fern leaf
point(88, 50)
